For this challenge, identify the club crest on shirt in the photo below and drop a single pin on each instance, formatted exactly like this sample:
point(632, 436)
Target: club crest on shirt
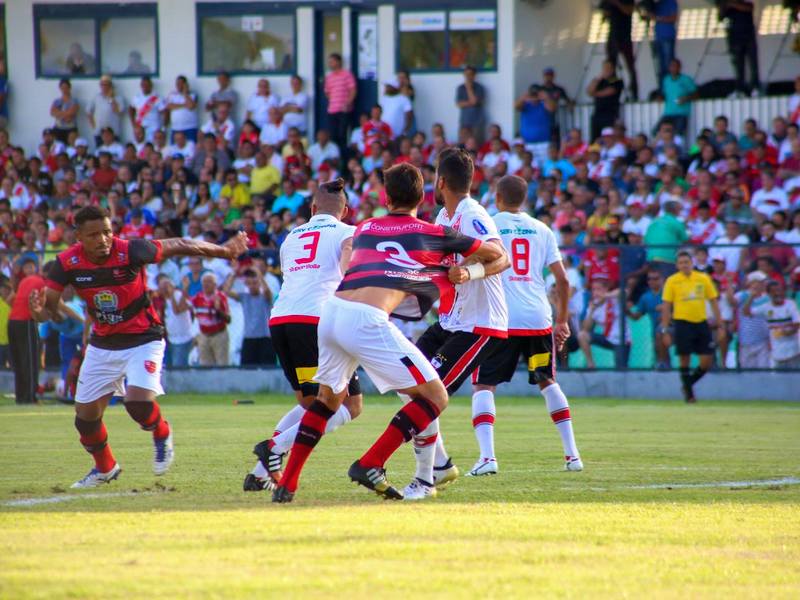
point(73, 260)
point(437, 361)
point(150, 366)
point(106, 304)
point(479, 227)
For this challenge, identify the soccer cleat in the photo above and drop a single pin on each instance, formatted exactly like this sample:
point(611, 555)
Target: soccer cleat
point(256, 484)
point(94, 478)
point(281, 495)
point(164, 454)
point(445, 475)
point(574, 463)
point(419, 490)
point(485, 466)
point(374, 478)
point(272, 461)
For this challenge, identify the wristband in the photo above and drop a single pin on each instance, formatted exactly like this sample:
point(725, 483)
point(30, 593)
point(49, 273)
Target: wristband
point(476, 271)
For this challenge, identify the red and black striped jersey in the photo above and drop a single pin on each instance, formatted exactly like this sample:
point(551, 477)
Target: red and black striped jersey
point(115, 292)
point(401, 252)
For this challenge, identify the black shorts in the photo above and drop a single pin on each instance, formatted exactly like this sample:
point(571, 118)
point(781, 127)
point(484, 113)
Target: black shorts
point(693, 338)
point(538, 351)
point(456, 354)
point(297, 350)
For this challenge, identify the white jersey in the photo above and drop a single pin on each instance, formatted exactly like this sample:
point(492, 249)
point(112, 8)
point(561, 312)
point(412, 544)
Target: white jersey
point(531, 247)
point(784, 345)
point(310, 257)
point(480, 305)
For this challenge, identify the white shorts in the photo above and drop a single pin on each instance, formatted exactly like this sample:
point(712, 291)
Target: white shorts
point(352, 334)
point(104, 372)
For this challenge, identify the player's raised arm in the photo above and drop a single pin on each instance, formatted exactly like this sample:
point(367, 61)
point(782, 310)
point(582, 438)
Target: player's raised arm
point(234, 247)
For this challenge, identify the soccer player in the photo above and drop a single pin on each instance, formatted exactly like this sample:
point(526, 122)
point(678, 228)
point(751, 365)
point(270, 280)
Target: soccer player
point(469, 331)
point(532, 247)
point(684, 301)
point(127, 340)
point(314, 258)
point(396, 269)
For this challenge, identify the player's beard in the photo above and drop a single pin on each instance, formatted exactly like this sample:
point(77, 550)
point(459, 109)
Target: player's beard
point(438, 197)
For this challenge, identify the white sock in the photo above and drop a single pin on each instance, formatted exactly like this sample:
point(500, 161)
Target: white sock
point(283, 441)
point(290, 418)
point(558, 407)
point(260, 471)
point(483, 413)
point(425, 451)
point(441, 458)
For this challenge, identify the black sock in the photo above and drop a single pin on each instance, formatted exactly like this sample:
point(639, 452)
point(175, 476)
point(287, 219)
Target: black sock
point(697, 375)
point(686, 378)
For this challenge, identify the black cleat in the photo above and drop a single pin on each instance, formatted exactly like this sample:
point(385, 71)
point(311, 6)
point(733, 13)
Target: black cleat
point(688, 394)
point(254, 484)
point(374, 478)
point(281, 495)
point(272, 461)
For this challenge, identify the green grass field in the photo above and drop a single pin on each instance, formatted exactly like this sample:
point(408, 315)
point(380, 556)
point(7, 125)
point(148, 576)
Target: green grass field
point(533, 530)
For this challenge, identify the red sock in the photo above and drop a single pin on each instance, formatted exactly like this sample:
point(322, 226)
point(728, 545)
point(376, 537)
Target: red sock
point(409, 421)
point(148, 415)
point(311, 430)
point(94, 438)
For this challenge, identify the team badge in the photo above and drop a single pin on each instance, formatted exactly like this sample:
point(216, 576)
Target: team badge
point(73, 260)
point(479, 227)
point(150, 366)
point(437, 361)
point(106, 304)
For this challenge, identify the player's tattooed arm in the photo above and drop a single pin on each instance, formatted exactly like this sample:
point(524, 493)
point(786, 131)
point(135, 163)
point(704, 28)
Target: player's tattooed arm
point(347, 253)
point(236, 246)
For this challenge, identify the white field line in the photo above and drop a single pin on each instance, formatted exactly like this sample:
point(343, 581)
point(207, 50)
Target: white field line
point(714, 484)
point(25, 502)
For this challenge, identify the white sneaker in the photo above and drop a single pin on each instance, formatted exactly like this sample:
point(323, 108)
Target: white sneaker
point(94, 478)
point(484, 466)
point(163, 454)
point(444, 476)
point(417, 490)
point(573, 463)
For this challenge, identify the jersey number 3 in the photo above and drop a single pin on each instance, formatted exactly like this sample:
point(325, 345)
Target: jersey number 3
point(520, 256)
point(311, 246)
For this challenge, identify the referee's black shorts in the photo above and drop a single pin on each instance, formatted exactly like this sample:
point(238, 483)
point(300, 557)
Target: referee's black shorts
point(536, 350)
point(693, 338)
point(297, 350)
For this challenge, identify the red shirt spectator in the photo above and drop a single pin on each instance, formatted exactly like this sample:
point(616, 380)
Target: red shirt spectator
point(376, 130)
point(137, 229)
point(20, 310)
point(212, 312)
point(602, 263)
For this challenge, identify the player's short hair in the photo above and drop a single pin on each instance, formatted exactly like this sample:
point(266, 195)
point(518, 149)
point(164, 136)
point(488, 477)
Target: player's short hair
point(89, 213)
point(455, 166)
point(404, 185)
point(250, 273)
point(513, 189)
point(683, 253)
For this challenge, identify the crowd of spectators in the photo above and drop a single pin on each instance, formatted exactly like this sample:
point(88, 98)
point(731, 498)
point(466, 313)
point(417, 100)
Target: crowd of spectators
point(621, 203)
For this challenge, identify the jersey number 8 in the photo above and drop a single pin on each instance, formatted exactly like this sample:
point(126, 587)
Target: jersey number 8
point(520, 256)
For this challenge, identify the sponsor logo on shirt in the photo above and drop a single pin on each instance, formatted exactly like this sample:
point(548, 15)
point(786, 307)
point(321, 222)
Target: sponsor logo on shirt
point(479, 227)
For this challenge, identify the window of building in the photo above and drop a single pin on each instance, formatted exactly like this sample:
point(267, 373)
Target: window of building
point(447, 40)
point(245, 38)
point(776, 20)
point(90, 40)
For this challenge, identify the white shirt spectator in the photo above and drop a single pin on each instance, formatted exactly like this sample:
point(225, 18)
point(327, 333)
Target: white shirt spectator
point(181, 119)
point(103, 110)
point(731, 256)
point(394, 111)
point(178, 326)
point(515, 163)
point(241, 163)
point(783, 346)
point(704, 232)
point(767, 202)
point(148, 112)
point(187, 151)
point(258, 107)
point(224, 130)
point(274, 135)
point(491, 160)
point(115, 149)
point(319, 154)
point(293, 119)
point(631, 225)
point(357, 137)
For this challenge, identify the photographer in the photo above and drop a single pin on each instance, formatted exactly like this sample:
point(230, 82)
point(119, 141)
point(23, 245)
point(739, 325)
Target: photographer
point(742, 42)
point(664, 13)
point(620, 19)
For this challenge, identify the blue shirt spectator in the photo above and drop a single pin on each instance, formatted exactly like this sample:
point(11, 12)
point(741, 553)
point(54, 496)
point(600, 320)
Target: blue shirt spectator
point(536, 116)
point(290, 198)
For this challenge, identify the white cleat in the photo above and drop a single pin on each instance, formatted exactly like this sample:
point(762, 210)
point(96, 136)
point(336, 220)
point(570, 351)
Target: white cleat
point(485, 466)
point(444, 476)
point(573, 463)
point(163, 454)
point(94, 478)
point(418, 490)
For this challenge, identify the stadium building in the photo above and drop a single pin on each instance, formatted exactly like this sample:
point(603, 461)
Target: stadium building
point(510, 42)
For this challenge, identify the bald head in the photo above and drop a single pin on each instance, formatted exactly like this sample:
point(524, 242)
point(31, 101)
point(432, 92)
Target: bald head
point(512, 191)
point(330, 199)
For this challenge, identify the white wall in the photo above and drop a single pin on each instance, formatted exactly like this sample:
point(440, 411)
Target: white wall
point(30, 98)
